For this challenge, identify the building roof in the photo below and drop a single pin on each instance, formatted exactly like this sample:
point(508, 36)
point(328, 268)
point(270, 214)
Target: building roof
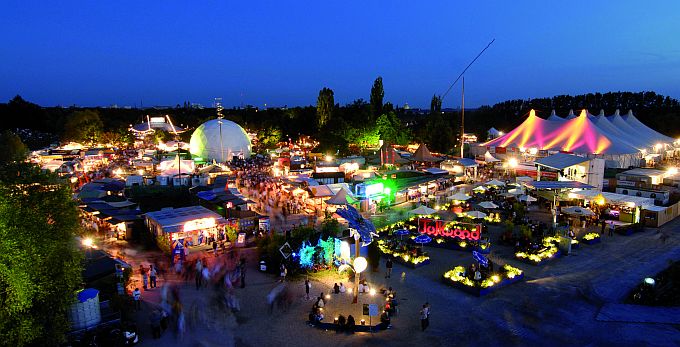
point(616, 198)
point(557, 185)
point(171, 219)
point(643, 172)
point(560, 161)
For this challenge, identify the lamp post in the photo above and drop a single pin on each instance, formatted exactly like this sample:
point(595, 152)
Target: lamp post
point(359, 264)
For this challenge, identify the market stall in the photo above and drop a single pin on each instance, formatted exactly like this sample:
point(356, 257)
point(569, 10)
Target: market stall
point(177, 229)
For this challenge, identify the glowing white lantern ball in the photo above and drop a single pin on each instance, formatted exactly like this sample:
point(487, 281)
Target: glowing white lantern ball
point(360, 264)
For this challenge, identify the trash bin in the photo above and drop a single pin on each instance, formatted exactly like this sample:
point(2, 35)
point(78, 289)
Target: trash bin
point(263, 266)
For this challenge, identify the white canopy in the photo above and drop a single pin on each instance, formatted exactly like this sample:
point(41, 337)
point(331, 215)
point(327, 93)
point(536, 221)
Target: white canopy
point(495, 182)
point(527, 198)
point(488, 205)
point(422, 210)
point(458, 196)
point(476, 214)
point(578, 211)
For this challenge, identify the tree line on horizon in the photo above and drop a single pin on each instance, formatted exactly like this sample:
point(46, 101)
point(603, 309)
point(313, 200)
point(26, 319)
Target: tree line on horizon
point(342, 129)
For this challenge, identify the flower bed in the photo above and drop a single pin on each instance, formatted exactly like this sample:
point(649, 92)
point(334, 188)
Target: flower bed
point(591, 238)
point(547, 253)
point(506, 275)
point(405, 258)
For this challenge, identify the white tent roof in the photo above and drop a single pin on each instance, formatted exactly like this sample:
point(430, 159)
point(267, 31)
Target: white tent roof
point(554, 117)
point(490, 158)
point(648, 132)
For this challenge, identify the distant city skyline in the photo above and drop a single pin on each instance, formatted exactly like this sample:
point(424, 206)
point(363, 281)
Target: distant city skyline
point(273, 53)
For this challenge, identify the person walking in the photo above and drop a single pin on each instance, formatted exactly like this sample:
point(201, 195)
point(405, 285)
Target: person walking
point(611, 228)
point(199, 274)
point(145, 276)
point(214, 247)
point(283, 273)
point(308, 286)
point(152, 276)
point(388, 265)
point(243, 272)
point(425, 316)
point(137, 298)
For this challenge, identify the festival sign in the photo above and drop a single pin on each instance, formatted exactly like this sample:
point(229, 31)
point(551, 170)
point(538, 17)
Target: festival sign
point(438, 227)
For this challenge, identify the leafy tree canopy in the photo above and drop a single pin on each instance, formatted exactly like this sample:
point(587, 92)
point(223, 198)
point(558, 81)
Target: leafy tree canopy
point(12, 147)
point(83, 126)
point(40, 266)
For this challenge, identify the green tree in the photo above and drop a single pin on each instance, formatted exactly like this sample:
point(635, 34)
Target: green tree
point(439, 135)
point(436, 104)
point(377, 95)
point(83, 126)
point(40, 265)
point(12, 147)
point(324, 106)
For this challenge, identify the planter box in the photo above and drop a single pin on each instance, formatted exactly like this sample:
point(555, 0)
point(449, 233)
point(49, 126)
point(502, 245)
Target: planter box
point(478, 291)
point(526, 260)
point(591, 242)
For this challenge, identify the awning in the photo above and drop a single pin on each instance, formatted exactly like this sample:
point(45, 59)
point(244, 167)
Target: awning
point(556, 185)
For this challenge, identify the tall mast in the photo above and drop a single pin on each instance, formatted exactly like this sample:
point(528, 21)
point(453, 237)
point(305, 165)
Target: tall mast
point(462, 120)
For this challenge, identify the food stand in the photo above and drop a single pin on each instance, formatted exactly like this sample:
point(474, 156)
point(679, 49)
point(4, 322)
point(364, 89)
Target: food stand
point(185, 227)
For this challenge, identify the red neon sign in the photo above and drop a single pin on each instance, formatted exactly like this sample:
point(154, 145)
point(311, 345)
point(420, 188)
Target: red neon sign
point(437, 227)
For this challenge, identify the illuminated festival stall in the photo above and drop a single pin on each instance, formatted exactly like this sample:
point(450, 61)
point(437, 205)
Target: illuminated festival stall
point(180, 228)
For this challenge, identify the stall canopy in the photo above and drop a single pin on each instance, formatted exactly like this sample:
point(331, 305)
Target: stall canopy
point(423, 154)
point(173, 219)
point(560, 161)
point(614, 198)
point(557, 185)
point(490, 158)
point(342, 197)
point(422, 210)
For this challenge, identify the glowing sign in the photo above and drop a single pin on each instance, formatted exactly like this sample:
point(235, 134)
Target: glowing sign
point(374, 189)
point(437, 227)
point(199, 224)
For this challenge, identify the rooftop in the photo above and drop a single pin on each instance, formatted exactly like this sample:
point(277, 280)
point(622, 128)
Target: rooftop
point(644, 172)
point(560, 161)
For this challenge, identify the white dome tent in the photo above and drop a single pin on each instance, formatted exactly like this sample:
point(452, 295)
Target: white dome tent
point(220, 140)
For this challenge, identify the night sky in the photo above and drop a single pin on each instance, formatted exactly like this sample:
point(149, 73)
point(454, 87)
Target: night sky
point(283, 52)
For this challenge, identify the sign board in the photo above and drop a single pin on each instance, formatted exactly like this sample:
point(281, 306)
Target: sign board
point(438, 227)
point(374, 189)
point(241, 239)
point(372, 309)
point(285, 250)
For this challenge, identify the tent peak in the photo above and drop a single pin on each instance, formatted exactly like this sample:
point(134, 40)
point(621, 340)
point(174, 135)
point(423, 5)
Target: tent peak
point(630, 113)
point(552, 113)
point(617, 112)
point(601, 112)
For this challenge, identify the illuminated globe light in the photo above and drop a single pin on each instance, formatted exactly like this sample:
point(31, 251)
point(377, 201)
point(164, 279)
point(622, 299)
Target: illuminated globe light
point(360, 264)
point(344, 250)
point(87, 242)
point(207, 142)
point(372, 292)
point(650, 281)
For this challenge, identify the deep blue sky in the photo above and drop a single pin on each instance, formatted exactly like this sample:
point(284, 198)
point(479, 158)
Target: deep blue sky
point(283, 52)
